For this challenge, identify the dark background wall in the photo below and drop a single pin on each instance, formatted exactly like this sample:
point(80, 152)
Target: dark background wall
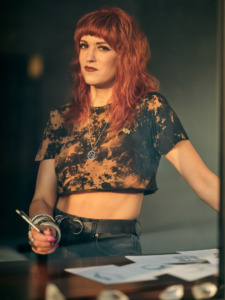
point(183, 40)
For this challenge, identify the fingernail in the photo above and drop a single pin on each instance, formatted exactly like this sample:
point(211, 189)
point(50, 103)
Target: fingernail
point(56, 246)
point(51, 239)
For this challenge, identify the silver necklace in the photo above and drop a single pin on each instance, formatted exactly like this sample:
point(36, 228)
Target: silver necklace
point(92, 154)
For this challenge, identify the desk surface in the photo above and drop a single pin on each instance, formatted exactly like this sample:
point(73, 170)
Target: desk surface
point(27, 280)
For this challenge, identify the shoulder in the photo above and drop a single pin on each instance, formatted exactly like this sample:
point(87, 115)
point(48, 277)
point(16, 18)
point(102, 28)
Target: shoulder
point(153, 99)
point(57, 116)
point(60, 111)
point(152, 102)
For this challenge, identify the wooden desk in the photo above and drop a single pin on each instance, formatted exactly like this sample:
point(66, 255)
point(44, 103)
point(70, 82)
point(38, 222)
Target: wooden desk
point(27, 280)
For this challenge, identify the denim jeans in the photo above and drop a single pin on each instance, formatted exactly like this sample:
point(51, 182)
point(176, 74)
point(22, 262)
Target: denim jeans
point(90, 244)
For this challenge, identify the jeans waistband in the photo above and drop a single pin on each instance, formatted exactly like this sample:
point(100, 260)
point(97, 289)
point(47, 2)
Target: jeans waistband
point(96, 226)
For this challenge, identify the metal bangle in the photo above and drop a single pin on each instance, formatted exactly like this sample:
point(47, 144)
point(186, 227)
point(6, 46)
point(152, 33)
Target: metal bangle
point(40, 220)
point(41, 216)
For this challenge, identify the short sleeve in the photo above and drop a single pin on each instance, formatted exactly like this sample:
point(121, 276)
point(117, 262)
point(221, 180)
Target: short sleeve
point(167, 128)
point(51, 141)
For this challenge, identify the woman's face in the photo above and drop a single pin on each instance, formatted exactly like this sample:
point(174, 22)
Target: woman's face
point(97, 61)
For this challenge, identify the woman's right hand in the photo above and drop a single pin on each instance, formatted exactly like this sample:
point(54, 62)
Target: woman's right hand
point(42, 243)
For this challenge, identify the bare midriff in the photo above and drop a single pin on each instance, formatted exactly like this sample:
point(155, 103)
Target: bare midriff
point(102, 205)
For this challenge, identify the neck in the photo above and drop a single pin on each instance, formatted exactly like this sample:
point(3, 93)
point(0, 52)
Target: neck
point(100, 97)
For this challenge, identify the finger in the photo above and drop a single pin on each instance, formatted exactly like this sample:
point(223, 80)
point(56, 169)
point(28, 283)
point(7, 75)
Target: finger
point(42, 237)
point(45, 251)
point(43, 244)
point(47, 231)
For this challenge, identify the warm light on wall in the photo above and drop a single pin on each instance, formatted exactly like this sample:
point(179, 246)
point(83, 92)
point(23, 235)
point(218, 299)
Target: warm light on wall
point(35, 67)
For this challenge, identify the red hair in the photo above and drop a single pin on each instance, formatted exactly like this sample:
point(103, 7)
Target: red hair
point(132, 81)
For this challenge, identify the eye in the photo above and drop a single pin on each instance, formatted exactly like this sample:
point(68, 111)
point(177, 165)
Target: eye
point(83, 45)
point(104, 48)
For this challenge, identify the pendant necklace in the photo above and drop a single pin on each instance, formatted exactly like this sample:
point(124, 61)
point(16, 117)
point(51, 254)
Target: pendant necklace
point(92, 154)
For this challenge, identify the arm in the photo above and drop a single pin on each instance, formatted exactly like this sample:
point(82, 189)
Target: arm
point(43, 203)
point(45, 191)
point(205, 183)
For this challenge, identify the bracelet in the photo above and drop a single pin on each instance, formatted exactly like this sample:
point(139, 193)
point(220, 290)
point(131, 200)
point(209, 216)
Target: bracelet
point(38, 218)
point(45, 219)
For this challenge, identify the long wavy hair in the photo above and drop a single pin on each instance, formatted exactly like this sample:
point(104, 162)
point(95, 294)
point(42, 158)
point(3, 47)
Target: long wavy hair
point(132, 79)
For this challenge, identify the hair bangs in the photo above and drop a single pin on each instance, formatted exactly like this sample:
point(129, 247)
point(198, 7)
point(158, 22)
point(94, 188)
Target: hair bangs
point(102, 25)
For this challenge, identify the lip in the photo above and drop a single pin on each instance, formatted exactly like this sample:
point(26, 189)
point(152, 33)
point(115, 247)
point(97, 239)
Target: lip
point(90, 69)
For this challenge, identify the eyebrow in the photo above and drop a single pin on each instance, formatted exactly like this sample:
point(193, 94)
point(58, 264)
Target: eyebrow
point(98, 43)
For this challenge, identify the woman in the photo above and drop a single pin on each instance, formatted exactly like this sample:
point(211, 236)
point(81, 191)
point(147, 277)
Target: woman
point(100, 153)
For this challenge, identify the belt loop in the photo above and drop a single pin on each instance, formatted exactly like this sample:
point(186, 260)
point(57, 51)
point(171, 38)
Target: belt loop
point(59, 219)
point(93, 229)
point(138, 228)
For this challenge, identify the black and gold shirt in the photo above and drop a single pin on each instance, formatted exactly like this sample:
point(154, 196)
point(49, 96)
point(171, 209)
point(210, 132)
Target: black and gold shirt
point(127, 162)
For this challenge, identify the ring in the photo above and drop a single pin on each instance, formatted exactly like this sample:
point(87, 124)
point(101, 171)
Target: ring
point(31, 243)
point(31, 239)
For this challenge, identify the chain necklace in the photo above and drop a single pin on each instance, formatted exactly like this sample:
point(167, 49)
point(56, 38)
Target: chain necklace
point(92, 154)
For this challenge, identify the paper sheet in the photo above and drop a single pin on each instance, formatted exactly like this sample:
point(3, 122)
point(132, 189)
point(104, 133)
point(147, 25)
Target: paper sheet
point(210, 255)
point(107, 274)
point(202, 253)
point(166, 259)
point(111, 274)
point(193, 271)
point(142, 272)
point(186, 265)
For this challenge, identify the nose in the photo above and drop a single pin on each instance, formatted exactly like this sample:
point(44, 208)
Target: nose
point(91, 57)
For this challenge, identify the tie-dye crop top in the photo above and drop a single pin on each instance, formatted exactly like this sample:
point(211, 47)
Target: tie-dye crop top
point(127, 162)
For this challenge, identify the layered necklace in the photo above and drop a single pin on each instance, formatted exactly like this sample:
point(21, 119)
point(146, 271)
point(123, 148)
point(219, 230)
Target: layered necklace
point(92, 154)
